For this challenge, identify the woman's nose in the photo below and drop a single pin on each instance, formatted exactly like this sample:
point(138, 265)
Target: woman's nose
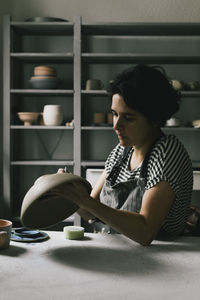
point(117, 123)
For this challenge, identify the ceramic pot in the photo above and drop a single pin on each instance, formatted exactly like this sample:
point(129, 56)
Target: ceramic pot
point(53, 115)
point(99, 118)
point(94, 84)
point(5, 233)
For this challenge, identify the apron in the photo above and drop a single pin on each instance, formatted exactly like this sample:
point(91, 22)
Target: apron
point(124, 195)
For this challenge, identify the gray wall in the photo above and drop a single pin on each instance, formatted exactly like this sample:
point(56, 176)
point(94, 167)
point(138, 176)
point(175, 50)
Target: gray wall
point(97, 11)
point(110, 10)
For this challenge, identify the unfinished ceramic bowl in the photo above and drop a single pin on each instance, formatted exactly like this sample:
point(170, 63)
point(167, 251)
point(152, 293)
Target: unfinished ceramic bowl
point(41, 207)
point(28, 117)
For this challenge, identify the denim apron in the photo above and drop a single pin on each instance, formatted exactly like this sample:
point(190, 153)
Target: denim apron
point(124, 195)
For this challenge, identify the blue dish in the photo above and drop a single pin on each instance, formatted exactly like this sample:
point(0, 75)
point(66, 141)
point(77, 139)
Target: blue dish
point(24, 232)
point(29, 236)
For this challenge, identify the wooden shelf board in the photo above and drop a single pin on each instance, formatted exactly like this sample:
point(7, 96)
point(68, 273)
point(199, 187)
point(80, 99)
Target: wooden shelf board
point(54, 92)
point(139, 58)
point(149, 29)
point(190, 94)
point(96, 128)
point(41, 127)
point(44, 57)
point(96, 163)
point(42, 163)
point(169, 128)
point(95, 92)
point(41, 28)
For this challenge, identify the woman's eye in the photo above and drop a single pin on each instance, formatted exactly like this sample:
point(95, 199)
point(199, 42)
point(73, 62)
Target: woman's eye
point(127, 118)
point(124, 117)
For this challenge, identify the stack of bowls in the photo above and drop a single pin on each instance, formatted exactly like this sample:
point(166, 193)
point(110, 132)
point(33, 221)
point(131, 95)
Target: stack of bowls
point(45, 77)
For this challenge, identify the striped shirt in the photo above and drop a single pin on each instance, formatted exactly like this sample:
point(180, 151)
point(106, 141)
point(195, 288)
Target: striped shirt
point(168, 161)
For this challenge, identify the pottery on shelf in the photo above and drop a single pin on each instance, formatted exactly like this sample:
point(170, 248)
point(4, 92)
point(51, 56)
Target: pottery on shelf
point(53, 115)
point(45, 82)
point(173, 122)
point(44, 70)
point(28, 117)
point(45, 77)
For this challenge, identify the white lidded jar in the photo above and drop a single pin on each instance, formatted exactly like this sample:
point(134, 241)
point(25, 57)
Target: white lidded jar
point(53, 115)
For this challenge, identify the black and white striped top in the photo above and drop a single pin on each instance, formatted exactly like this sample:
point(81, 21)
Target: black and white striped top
point(168, 161)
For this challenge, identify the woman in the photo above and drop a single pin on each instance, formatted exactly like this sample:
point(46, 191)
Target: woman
point(146, 187)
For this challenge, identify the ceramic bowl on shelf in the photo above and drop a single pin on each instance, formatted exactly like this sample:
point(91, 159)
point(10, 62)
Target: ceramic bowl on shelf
point(173, 122)
point(45, 83)
point(44, 70)
point(178, 85)
point(41, 77)
point(28, 117)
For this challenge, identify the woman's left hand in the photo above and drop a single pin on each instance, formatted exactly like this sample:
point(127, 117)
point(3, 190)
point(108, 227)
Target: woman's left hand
point(75, 191)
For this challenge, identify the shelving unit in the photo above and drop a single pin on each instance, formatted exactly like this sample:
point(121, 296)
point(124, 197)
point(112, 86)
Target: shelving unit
point(82, 51)
point(17, 93)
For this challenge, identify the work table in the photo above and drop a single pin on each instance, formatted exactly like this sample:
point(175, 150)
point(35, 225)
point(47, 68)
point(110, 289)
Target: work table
point(102, 266)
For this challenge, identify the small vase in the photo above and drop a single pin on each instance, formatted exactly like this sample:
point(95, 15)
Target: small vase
point(53, 115)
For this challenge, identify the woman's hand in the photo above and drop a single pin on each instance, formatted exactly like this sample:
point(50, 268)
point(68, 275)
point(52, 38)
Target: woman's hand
point(61, 170)
point(75, 191)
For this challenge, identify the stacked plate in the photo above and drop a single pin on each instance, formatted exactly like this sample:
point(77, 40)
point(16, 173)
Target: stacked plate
point(45, 77)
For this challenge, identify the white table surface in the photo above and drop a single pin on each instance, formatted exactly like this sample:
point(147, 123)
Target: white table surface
point(101, 266)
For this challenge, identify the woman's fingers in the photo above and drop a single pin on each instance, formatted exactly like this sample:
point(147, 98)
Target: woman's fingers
point(60, 170)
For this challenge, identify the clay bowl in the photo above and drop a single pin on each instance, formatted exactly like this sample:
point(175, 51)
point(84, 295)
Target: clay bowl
point(28, 117)
point(44, 82)
point(45, 204)
point(44, 70)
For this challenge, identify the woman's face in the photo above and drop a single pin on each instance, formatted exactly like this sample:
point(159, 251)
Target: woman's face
point(131, 127)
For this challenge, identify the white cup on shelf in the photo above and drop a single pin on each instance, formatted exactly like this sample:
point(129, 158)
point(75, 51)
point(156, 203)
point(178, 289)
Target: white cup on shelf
point(53, 115)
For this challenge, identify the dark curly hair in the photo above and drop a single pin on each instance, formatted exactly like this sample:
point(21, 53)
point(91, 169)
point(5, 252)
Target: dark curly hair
point(147, 90)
